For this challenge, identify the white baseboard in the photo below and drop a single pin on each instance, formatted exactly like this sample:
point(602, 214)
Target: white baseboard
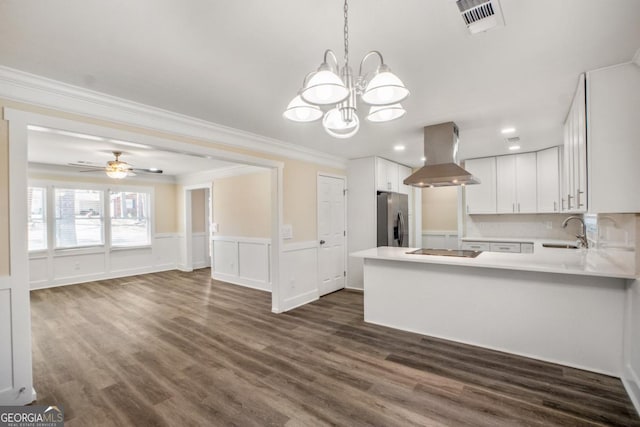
point(242, 281)
point(351, 288)
point(76, 280)
point(184, 268)
point(202, 264)
point(632, 386)
point(299, 300)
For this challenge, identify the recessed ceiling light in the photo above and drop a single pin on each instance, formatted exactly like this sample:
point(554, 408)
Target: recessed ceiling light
point(506, 131)
point(514, 147)
point(423, 159)
point(153, 169)
point(398, 147)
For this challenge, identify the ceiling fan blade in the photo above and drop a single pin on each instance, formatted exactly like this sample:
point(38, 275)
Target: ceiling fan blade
point(93, 170)
point(85, 165)
point(147, 170)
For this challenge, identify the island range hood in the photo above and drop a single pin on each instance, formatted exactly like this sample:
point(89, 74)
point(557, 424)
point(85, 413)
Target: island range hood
point(441, 167)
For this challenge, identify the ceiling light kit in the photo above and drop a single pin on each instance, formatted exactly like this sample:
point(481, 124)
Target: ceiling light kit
point(335, 88)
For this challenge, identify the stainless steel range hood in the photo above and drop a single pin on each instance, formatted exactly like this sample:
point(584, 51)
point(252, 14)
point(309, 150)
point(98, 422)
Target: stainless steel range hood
point(441, 167)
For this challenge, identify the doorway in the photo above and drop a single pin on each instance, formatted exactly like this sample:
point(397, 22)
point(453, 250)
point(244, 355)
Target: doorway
point(332, 248)
point(197, 226)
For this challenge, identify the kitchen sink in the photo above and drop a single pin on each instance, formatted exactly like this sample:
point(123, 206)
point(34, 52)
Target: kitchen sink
point(559, 246)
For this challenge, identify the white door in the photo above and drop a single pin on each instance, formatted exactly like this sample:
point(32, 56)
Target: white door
point(331, 234)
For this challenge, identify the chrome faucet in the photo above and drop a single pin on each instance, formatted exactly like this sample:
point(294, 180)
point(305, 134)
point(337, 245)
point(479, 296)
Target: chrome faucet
point(582, 238)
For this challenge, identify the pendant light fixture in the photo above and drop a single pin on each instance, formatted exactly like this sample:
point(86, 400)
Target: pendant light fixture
point(331, 92)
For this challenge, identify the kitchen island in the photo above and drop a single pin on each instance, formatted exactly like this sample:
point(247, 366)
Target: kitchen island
point(559, 305)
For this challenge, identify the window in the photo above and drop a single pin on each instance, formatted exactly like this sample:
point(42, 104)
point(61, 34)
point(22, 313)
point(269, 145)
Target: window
point(37, 202)
point(78, 218)
point(130, 225)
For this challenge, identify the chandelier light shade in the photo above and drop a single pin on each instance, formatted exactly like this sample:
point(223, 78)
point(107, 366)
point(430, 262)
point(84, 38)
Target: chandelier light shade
point(324, 87)
point(337, 126)
point(300, 111)
point(384, 88)
point(332, 91)
point(385, 113)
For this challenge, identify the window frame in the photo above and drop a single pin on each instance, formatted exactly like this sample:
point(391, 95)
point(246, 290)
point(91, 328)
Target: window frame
point(106, 190)
point(150, 209)
point(45, 217)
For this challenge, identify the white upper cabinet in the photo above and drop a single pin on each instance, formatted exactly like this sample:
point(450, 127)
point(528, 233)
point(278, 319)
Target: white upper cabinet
point(613, 143)
point(386, 175)
point(574, 183)
point(506, 184)
point(516, 183)
point(481, 198)
point(526, 183)
point(548, 180)
point(403, 172)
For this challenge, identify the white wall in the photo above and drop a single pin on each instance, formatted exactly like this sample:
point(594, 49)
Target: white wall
point(631, 364)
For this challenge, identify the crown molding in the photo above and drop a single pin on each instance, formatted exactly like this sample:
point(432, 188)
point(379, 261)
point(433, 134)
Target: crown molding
point(32, 89)
point(211, 175)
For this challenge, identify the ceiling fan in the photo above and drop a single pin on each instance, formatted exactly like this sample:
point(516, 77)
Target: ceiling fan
point(116, 168)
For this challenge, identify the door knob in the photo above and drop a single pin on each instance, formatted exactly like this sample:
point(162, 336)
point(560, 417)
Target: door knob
point(322, 242)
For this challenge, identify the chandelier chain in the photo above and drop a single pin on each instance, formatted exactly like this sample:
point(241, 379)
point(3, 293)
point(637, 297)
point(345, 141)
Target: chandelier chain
point(346, 34)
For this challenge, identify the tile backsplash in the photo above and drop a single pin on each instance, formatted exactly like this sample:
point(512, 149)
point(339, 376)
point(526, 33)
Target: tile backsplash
point(534, 226)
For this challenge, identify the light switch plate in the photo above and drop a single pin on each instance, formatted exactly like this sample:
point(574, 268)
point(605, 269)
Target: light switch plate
point(214, 227)
point(287, 231)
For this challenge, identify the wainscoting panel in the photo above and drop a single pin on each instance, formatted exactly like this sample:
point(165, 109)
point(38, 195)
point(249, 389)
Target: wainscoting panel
point(242, 261)
point(75, 267)
point(165, 251)
point(129, 261)
point(85, 265)
point(299, 274)
point(200, 250)
point(6, 349)
point(39, 271)
point(253, 260)
point(225, 257)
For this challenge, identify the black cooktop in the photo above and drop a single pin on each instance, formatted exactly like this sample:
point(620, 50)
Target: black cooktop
point(446, 252)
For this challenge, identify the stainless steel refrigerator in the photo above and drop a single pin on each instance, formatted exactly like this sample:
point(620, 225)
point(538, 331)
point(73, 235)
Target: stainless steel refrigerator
point(393, 219)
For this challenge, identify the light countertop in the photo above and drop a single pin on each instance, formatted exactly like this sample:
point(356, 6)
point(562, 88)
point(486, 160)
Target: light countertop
point(586, 262)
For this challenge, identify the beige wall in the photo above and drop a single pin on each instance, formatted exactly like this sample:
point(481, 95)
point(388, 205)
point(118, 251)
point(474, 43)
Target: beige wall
point(440, 208)
point(242, 205)
point(198, 214)
point(300, 197)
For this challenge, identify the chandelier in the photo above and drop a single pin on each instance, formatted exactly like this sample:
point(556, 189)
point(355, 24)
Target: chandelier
point(330, 93)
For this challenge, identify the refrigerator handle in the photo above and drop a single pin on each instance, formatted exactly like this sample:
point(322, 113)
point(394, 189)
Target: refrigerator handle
point(401, 229)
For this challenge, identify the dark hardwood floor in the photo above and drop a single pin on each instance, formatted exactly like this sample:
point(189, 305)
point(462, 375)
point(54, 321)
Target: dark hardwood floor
point(181, 349)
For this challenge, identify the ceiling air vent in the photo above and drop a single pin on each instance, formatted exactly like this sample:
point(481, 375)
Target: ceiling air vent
point(480, 15)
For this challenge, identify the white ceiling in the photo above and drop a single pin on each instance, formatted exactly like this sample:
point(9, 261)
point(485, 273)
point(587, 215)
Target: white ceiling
point(62, 149)
point(238, 63)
